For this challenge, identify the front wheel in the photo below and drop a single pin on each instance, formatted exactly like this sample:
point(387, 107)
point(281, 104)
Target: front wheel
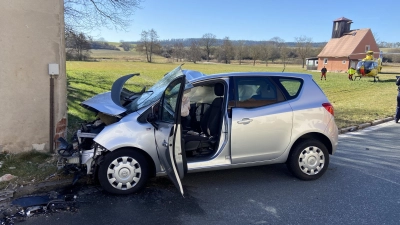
point(124, 171)
point(308, 160)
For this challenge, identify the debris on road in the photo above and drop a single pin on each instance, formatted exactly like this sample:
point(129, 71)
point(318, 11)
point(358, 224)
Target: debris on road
point(7, 177)
point(25, 207)
point(6, 194)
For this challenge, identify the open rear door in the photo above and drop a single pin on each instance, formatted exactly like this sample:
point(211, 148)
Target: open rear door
point(168, 135)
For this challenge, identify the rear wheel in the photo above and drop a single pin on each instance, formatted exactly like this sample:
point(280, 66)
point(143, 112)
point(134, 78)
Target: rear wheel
point(308, 160)
point(124, 171)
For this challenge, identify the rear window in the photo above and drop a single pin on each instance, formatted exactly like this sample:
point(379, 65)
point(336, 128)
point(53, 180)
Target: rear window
point(291, 86)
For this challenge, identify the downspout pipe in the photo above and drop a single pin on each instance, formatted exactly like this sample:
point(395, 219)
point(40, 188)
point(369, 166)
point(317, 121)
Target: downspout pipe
point(51, 128)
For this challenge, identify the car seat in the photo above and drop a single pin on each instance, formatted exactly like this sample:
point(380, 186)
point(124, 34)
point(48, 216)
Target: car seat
point(210, 124)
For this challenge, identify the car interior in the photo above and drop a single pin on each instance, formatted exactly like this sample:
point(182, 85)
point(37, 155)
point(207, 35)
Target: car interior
point(202, 130)
point(255, 93)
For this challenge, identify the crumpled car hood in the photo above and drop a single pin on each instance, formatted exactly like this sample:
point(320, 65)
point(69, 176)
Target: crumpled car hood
point(103, 103)
point(110, 102)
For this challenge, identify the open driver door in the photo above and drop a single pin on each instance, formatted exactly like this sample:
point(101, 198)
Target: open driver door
point(168, 134)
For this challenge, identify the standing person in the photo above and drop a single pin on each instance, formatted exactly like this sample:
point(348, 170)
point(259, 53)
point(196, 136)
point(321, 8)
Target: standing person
point(351, 72)
point(397, 117)
point(323, 73)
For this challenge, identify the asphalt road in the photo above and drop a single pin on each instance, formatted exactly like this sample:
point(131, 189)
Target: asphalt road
point(361, 186)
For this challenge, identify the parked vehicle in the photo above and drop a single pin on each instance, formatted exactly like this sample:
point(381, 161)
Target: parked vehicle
point(236, 120)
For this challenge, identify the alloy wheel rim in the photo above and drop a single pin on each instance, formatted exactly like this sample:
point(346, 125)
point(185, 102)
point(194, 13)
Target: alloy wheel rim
point(124, 173)
point(311, 160)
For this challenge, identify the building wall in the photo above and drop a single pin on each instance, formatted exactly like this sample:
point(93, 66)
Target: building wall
point(359, 51)
point(31, 37)
point(334, 64)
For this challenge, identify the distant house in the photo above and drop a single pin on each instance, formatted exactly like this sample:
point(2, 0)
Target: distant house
point(346, 47)
point(312, 63)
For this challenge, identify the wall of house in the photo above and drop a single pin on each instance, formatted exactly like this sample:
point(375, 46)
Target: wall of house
point(31, 38)
point(359, 51)
point(334, 64)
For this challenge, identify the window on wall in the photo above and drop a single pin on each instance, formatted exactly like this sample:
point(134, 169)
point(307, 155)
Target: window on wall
point(326, 61)
point(336, 25)
point(344, 62)
point(367, 47)
point(316, 62)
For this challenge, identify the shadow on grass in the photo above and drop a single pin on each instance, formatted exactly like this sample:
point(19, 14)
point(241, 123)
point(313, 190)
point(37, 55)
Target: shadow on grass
point(100, 83)
point(394, 73)
point(387, 81)
point(371, 79)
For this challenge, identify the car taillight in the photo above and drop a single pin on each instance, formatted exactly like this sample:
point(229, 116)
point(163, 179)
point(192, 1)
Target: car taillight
point(328, 108)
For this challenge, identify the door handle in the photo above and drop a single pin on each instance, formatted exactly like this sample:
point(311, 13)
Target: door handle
point(165, 144)
point(244, 121)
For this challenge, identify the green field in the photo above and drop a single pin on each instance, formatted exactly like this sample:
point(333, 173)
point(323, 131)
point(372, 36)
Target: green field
point(355, 102)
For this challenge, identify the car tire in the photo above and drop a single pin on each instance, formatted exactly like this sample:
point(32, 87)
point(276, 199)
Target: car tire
point(123, 171)
point(308, 160)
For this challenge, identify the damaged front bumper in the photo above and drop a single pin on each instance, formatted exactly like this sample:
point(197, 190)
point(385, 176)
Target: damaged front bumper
point(80, 155)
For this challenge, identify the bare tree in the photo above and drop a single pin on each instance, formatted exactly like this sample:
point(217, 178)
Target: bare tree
point(225, 51)
point(194, 53)
point(178, 51)
point(208, 41)
point(303, 47)
point(254, 53)
point(148, 43)
point(265, 51)
point(89, 14)
point(77, 45)
point(276, 44)
point(316, 50)
point(240, 50)
point(284, 51)
point(125, 45)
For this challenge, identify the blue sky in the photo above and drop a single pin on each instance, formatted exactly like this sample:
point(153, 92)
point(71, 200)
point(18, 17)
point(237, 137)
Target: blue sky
point(258, 19)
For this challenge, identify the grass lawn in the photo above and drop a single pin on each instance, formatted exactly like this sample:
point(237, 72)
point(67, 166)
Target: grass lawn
point(355, 102)
point(28, 167)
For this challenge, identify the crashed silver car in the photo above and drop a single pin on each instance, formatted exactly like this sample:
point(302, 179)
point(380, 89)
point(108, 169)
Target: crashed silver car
point(234, 120)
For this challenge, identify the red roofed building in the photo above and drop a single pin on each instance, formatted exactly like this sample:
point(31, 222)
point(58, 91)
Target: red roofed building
point(346, 47)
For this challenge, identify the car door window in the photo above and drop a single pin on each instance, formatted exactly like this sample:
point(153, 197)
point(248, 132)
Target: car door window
point(168, 103)
point(290, 86)
point(255, 92)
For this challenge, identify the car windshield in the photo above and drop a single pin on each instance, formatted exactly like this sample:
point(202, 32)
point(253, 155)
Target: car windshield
point(155, 92)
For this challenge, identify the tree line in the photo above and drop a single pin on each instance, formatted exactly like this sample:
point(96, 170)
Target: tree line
point(83, 15)
point(78, 47)
point(208, 48)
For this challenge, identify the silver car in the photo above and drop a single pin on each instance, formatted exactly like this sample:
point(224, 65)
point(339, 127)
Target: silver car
point(192, 122)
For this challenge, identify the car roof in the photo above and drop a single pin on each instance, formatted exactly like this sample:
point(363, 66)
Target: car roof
point(241, 74)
